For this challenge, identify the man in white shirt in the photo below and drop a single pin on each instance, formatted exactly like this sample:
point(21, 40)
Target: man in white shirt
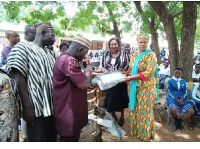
point(164, 72)
point(196, 73)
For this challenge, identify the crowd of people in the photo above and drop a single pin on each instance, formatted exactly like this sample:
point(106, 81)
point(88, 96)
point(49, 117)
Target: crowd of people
point(48, 91)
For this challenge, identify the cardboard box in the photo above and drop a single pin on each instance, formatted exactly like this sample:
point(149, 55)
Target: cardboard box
point(91, 103)
point(101, 102)
point(91, 132)
point(91, 93)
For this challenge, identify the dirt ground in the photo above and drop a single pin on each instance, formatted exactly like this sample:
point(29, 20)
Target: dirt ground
point(163, 131)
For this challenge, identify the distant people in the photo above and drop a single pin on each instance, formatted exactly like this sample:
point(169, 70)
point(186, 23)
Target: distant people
point(8, 110)
point(153, 49)
point(197, 59)
point(91, 55)
point(13, 38)
point(116, 97)
point(127, 48)
point(164, 72)
point(195, 101)
point(132, 50)
point(177, 100)
point(196, 73)
point(70, 91)
point(95, 61)
point(1, 61)
point(29, 33)
point(162, 54)
point(31, 63)
point(63, 47)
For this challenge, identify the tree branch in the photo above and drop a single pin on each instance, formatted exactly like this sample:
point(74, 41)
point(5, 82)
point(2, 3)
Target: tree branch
point(103, 30)
point(176, 14)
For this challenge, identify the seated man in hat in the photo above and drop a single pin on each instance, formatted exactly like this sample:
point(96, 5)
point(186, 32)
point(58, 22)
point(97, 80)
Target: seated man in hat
point(70, 91)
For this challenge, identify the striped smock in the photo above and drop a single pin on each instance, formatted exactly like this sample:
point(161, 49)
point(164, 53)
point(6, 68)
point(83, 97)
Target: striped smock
point(36, 64)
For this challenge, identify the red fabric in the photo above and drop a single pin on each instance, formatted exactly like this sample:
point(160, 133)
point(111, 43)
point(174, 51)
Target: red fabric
point(142, 77)
point(70, 102)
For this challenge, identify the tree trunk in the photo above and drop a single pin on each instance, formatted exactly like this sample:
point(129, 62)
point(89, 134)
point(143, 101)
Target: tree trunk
point(153, 31)
point(116, 31)
point(168, 22)
point(154, 38)
point(187, 38)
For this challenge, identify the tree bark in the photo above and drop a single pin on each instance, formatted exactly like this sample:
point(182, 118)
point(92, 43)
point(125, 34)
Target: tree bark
point(168, 22)
point(115, 31)
point(153, 31)
point(154, 38)
point(187, 38)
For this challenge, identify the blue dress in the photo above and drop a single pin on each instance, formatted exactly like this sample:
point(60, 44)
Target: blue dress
point(195, 97)
point(177, 88)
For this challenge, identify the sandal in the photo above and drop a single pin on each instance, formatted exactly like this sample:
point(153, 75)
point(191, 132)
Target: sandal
point(191, 126)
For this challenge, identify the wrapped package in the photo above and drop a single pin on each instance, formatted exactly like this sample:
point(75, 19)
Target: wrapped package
point(108, 80)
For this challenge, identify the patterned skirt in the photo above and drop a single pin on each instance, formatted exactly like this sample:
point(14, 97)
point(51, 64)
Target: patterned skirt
point(172, 103)
point(8, 111)
point(142, 119)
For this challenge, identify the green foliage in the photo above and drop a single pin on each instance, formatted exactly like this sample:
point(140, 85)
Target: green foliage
point(13, 9)
point(101, 15)
point(147, 15)
point(36, 16)
point(58, 32)
point(197, 35)
point(95, 16)
point(35, 12)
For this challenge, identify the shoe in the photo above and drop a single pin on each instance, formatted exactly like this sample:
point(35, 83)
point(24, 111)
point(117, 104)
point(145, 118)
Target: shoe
point(180, 126)
point(191, 125)
point(174, 126)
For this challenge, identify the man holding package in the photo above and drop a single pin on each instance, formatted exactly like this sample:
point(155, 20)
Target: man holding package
point(70, 91)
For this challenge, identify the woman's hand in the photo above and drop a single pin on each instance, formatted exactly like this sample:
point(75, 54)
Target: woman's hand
point(127, 79)
point(104, 70)
point(126, 72)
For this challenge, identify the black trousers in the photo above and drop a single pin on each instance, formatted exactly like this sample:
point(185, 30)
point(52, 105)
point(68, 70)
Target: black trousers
point(42, 130)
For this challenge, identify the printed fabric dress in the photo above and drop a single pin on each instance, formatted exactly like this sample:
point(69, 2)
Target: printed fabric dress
point(8, 111)
point(142, 118)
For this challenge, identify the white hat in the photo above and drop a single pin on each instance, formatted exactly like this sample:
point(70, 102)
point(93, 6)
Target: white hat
point(82, 40)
